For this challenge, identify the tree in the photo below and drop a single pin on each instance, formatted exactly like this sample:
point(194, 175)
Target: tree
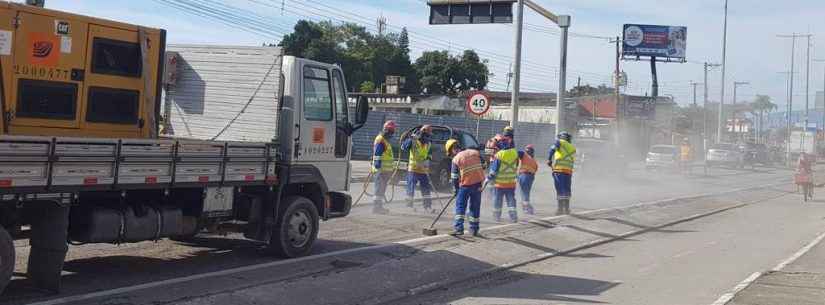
point(404, 40)
point(762, 104)
point(367, 87)
point(588, 90)
point(441, 73)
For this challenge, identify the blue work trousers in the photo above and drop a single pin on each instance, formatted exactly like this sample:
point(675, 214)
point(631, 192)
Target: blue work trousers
point(525, 184)
point(468, 197)
point(563, 182)
point(423, 180)
point(508, 194)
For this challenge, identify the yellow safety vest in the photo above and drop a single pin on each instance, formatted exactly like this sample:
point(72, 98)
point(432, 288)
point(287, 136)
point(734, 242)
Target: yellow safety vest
point(507, 168)
point(564, 158)
point(419, 158)
point(386, 158)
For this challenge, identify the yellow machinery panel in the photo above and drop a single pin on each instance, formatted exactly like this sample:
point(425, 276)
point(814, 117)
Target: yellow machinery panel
point(70, 75)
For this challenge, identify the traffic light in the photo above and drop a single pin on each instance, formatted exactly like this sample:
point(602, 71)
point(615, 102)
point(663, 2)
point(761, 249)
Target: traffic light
point(470, 11)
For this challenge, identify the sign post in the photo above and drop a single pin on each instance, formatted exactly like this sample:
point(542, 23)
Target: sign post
point(478, 103)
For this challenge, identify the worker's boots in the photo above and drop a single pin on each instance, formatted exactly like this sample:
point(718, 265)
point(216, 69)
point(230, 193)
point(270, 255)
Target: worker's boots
point(560, 208)
point(528, 208)
point(380, 209)
point(566, 205)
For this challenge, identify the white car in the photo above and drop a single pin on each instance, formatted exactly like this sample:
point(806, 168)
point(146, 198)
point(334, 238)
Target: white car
point(725, 154)
point(662, 156)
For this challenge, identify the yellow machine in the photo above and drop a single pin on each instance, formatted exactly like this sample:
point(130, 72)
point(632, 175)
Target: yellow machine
point(70, 75)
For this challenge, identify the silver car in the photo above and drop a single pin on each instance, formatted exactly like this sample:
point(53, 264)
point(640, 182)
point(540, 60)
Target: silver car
point(662, 156)
point(725, 154)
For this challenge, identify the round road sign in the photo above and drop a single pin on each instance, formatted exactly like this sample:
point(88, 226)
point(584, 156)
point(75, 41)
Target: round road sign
point(478, 103)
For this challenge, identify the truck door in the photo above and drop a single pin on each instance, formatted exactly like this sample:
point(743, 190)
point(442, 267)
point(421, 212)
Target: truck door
point(47, 82)
point(114, 82)
point(319, 144)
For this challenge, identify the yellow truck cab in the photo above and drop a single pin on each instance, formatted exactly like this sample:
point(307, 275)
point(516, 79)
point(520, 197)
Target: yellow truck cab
point(110, 136)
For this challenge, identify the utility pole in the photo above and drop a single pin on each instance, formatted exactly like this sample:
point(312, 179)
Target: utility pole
point(517, 68)
point(692, 83)
point(788, 109)
point(823, 96)
point(564, 25)
point(705, 106)
point(724, 65)
point(807, 87)
point(790, 87)
point(617, 95)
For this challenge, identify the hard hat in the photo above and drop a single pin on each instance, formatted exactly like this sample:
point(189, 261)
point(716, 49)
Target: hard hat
point(565, 136)
point(426, 129)
point(390, 125)
point(451, 143)
point(508, 131)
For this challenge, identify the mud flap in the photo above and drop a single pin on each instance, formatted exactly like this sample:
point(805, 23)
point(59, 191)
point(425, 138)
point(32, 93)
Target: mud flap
point(49, 232)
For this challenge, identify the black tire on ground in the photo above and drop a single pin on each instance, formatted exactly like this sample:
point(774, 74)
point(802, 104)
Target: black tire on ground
point(296, 228)
point(6, 258)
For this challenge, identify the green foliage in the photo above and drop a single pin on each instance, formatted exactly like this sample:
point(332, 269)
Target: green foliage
point(367, 58)
point(441, 73)
point(367, 87)
point(588, 90)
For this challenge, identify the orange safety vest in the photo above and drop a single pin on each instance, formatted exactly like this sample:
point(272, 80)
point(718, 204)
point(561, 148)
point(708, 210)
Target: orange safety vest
point(528, 165)
point(469, 165)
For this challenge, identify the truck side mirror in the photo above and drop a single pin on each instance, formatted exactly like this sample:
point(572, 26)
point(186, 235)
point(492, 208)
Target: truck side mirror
point(362, 109)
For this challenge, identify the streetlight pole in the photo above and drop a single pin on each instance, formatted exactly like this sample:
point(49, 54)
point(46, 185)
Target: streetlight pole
point(564, 24)
point(705, 106)
point(724, 60)
point(517, 67)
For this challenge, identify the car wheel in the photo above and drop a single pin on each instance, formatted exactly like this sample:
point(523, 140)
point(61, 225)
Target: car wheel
point(296, 228)
point(6, 258)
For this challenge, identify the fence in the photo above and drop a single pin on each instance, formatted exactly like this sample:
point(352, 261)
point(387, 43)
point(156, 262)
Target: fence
point(541, 135)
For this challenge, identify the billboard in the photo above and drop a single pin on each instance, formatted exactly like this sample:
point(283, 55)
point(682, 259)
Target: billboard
point(661, 41)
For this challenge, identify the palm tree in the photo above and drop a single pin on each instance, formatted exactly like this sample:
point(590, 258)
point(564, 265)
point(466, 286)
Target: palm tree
point(762, 104)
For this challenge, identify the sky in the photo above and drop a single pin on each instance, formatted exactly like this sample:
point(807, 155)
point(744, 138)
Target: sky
point(755, 53)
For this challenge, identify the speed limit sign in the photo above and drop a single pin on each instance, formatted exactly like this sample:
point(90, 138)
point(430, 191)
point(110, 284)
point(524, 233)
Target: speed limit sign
point(478, 103)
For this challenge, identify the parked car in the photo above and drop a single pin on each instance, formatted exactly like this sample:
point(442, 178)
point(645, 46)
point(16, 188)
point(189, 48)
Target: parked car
point(598, 157)
point(756, 154)
point(662, 157)
point(440, 165)
point(725, 154)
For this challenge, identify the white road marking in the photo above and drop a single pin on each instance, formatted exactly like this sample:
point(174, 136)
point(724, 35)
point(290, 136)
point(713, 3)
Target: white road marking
point(727, 297)
point(799, 253)
point(688, 252)
point(110, 292)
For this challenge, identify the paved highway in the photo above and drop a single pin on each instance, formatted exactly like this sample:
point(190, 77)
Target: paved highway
point(101, 268)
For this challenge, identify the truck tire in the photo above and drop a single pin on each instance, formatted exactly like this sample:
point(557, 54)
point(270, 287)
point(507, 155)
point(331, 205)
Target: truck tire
point(296, 228)
point(6, 258)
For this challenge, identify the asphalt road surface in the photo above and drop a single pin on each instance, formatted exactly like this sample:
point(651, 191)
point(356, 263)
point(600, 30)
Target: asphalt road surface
point(102, 268)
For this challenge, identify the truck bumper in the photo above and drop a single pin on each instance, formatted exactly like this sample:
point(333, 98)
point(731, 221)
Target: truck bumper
point(339, 205)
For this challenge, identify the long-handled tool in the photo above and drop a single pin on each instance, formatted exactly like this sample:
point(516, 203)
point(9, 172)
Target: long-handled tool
point(431, 230)
point(364, 190)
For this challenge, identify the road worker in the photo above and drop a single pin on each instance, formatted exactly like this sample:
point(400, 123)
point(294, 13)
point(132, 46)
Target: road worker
point(490, 150)
point(561, 158)
point(685, 156)
point(503, 172)
point(418, 168)
point(467, 175)
point(509, 134)
point(382, 165)
point(526, 175)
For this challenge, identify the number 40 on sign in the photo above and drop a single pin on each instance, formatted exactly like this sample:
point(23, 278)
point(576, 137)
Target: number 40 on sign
point(478, 103)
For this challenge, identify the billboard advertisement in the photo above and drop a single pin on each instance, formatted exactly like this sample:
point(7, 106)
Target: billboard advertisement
point(661, 41)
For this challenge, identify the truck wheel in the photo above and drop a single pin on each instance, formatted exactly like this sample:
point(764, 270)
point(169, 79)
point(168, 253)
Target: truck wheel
point(6, 258)
point(296, 228)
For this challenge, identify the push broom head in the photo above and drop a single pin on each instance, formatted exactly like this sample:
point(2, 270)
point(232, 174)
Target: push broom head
point(430, 232)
